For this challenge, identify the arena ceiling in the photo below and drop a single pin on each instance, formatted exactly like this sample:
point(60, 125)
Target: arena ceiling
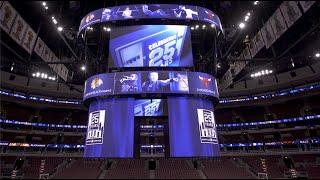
point(298, 45)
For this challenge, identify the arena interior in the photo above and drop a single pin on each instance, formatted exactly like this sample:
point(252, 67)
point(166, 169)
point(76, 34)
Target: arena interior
point(160, 89)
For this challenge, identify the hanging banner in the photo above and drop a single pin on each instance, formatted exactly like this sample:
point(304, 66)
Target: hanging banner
point(246, 53)
point(7, 15)
point(39, 47)
point(226, 80)
point(252, 47)
point(259, 41)
point(29, 39)
point(45, 53)
point(18, 30)
point(268, 34)
point(306, 5)
point(290, 11)
point(278, 23)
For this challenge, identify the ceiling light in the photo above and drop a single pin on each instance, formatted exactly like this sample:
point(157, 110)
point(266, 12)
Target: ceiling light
point(317, 55)
point(49, 78)
point(60, 28)
point(53, 78)
point(203, 26)
point(248, 14)
point(192, 28)
point(213, 25)
point(52, 17)
point(104, 28)
point(44, 3)
point(256, 2)
point(218, 65)
point(197, 26)
point(246, 18)
point(55, 21)
point(33, 74)
point(83, 68)
point(38, 74)
point(108, 29)
point(46, 7)
point(241, 25)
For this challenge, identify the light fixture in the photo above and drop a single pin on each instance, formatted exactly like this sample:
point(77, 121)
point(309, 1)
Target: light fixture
point(218, 66)
point(241, 25)
point(60, 28)
point(53, 78)
point(33, 74)
point(317, 55)
point(83, 68)
point(248, 14)
point(213, 25)
point(246, 18)
point(192, 28)
point(197, 26)
point(108, 29)
point(44, 3)
point(37, 74)
point(203, 26)
point(261, 73)
point(256, 2)
point(105, 28)
point(55, 21)
point(52, 17)
point(46, 7)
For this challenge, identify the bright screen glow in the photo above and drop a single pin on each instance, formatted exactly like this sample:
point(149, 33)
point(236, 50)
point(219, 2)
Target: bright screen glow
point(151, 46)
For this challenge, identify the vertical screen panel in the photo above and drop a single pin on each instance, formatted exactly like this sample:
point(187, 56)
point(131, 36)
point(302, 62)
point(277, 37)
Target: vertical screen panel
point(192, 131)
point(110, 130)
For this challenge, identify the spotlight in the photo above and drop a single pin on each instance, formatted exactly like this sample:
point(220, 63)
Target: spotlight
point(241, 25)
point(317, 55)
point(60, 28)
point(83, 68)
point(44, 3)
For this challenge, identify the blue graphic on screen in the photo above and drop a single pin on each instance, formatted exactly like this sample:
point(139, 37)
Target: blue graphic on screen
point(136, 82)
point(99, 85)
point(150, 11)
point(91, 18)
point(192, 129)
point(148, 107)
point(128, 82)
point(110, 130)
point(180, 83)
point(151, 46)
point(202, 83)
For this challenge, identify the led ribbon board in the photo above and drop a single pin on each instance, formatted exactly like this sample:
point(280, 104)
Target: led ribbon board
point(150, 82)
point(150, 11)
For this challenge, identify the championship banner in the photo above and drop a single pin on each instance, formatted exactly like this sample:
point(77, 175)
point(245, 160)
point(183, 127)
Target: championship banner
point(18, 30)
point(290, 11)
point(306, 5)
point(278, 23)
point(268, 34)
point(7, 15)
point(246, 53)
point(259, 41)
point(39, 47)
point(29, 39)
point(64, 72)
point(226, 80)
point(45, 54)
point(253, 47)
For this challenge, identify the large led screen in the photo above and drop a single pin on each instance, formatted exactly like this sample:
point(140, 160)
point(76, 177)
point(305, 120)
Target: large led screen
point(150, 11)
point(150, 107)
point(192, 128)
point(150, 46)
point(137, 82)
point(110, 131)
